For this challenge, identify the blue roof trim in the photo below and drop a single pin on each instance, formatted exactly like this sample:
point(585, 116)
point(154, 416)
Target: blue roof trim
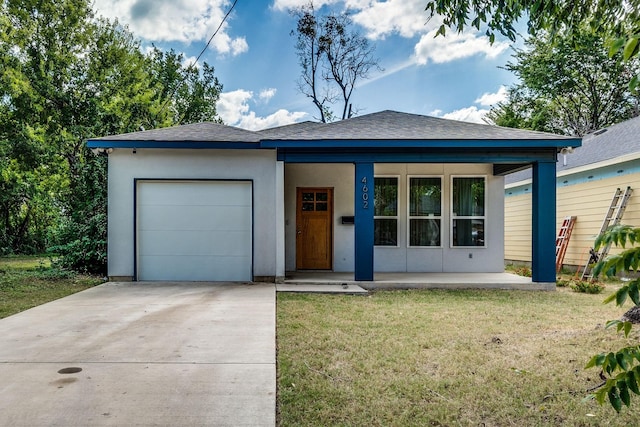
point(172, 144)
point(424, 143)
point(417, 157)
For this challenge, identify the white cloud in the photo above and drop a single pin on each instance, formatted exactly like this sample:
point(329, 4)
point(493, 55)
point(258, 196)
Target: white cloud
point(267, 94)
point(408, 19)
point(454, 46)
point(474, 114)
point(189, 61)
point(470, 114)
point(378, 18)
point(279, 118)
point(233, 107)
point(239, 45)
point(284, 5)
point(175, 20)
point(490, 99)
point(381, 18)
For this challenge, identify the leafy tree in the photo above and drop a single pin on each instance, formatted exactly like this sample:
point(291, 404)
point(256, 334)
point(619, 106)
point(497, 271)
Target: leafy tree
point(190, 94)
point(67, 76)
point(521, 110)
point(618, 21)
point(569, 86)
point(333, 58)
point(620, 368)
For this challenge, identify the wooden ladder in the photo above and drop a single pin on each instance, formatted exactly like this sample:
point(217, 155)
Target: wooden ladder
point(562, 241)
point(613, 217)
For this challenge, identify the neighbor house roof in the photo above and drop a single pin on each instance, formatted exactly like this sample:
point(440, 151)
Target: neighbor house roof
point(620, 142)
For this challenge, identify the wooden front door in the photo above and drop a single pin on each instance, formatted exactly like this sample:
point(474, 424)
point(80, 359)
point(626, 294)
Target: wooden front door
point(314, 228)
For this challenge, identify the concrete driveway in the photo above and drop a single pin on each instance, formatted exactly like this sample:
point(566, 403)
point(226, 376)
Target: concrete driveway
point(162, 354)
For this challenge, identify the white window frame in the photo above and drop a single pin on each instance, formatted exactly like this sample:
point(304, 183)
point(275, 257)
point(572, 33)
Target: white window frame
point(410, 217)
point(396, 217)
point(453, 216)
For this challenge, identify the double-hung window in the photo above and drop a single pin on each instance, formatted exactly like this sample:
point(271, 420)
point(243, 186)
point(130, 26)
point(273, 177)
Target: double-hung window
point(385, 211)
point(468, 215)
point(425, 211)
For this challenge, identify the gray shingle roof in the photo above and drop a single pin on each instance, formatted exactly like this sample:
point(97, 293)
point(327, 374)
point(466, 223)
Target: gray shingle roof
point(384, 125)
point(390, 125)
point(288, 131)
point(605, 144)
point(196, 132)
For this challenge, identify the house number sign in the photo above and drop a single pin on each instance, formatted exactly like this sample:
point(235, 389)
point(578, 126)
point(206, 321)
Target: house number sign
point(365, 193)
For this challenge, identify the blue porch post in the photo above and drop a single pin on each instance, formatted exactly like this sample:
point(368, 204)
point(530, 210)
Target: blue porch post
point(543, 258)
point(364, 222)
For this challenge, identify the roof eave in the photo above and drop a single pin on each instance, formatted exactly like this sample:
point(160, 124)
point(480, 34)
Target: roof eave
point(422, 143)
point(98, 143)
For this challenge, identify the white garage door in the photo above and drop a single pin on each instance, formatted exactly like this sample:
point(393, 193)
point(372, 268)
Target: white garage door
point(194, 230)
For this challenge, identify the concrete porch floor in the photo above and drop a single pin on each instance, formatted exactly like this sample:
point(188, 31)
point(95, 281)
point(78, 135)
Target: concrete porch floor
point(321, 281)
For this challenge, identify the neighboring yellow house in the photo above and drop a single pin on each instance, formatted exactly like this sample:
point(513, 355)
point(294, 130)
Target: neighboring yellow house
point(587, 179)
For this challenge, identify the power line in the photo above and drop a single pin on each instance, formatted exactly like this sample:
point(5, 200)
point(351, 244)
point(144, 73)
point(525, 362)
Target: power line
point(216, 32)
point(204, 49)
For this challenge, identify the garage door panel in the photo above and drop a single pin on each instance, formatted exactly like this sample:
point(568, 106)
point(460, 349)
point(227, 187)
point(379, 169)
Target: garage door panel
point(194, 230)
point(196, 268)
point(194, 217)
point(196, 193)
point(195, 242)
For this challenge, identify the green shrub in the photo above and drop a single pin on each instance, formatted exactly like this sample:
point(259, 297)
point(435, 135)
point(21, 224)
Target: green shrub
point(54, 273)
point(80, 239)
point(586, 286)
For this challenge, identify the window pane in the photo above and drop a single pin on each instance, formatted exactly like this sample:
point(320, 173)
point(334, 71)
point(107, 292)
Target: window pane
point(424, 196)
point(468, 232)
point(385, 232)
point(386, 197)
point(307, 197)
point(424, 232)
point(321, 197)
point(468, 196)
point(321, 207)
point(307, 206)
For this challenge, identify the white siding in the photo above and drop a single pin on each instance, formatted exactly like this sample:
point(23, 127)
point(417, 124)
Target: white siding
point(401, 258)
point(258, 166)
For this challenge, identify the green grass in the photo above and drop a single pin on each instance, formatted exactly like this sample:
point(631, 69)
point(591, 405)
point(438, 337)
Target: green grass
point(28, 281)
point(405, 358)
point(444, 358)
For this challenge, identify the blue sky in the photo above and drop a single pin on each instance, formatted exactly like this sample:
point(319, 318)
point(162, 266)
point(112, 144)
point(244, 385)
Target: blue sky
point(456, 76)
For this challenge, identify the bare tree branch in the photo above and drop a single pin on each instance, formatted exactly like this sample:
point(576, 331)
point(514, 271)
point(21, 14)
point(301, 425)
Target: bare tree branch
point(333, 57)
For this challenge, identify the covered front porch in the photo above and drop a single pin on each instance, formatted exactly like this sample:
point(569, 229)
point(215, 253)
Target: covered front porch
point(406, 149)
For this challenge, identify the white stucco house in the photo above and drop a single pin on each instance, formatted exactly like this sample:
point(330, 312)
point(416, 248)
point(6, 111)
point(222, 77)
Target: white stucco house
point(383, 192)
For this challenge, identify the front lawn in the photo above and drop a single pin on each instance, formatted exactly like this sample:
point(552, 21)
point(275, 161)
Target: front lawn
point(444, 358)
point(28, 281)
